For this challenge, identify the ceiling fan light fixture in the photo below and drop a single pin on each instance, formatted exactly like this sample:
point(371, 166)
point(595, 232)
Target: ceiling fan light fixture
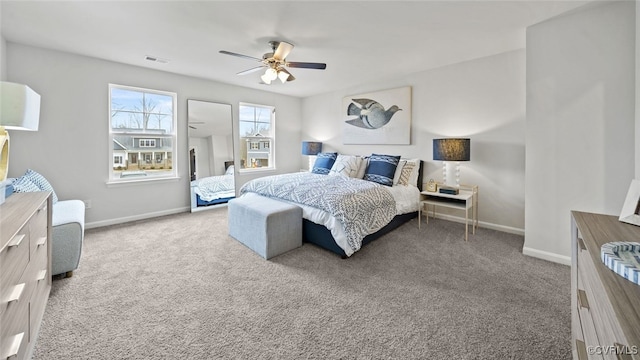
point(283, 76)
point(266, 79)
point(271, 74)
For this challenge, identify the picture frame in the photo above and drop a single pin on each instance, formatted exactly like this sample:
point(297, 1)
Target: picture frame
point(630, 213)
point(382, 117)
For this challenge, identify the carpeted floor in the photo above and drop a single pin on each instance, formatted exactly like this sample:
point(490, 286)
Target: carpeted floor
point(178, 287)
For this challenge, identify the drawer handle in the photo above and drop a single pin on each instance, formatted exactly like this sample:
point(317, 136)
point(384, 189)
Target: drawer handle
point(582, 299)
point(42, 208)
point(14, 346)
point(41, 241)
point(581, 349)
point(581, 244)
point(16, 241)
point(41, 275)
point(16, 293)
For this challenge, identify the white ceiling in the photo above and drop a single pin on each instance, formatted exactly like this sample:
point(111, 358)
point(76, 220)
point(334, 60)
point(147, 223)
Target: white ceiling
point(359, 41)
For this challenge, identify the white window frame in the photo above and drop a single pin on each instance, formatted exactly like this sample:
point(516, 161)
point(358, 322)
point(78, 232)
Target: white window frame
point(173, 135)
point(150, 143)
point(272, 138)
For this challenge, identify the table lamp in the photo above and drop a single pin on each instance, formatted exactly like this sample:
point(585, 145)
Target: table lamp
point(452, 149)
point(19, 110)
point(311, 148)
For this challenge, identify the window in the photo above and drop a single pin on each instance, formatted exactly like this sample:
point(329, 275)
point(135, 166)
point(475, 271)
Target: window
point(142, 125)
point(147, 143)
point(257, 136)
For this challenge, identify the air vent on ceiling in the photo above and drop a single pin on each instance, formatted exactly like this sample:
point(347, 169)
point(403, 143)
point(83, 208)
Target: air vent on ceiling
point(156, 59)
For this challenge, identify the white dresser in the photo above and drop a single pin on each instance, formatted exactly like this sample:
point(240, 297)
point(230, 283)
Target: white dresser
point(25, 271)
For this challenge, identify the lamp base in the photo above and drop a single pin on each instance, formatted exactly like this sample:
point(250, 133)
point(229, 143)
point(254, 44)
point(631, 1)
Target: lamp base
point(4, 154)
point(312, 161)
point(451, 174)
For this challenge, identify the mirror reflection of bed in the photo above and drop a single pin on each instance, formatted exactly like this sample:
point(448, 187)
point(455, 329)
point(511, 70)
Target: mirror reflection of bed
point(211, 165)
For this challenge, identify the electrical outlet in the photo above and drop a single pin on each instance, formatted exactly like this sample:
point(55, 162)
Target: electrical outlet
point(87, 204)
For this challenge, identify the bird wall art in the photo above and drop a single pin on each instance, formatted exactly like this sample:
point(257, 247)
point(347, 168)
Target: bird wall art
point(370, 113)
point(382, 117)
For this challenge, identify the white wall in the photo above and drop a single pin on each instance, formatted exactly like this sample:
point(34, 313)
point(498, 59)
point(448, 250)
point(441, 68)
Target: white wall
point(483, 99)
point(71, 147)
point(580, 121)
point(637, 88)
point(3, 59)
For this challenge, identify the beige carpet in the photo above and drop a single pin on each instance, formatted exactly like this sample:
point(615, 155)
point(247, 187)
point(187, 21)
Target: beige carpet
point(178, 287)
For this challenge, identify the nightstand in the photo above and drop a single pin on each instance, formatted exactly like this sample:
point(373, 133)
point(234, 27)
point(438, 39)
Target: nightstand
point(466, 199)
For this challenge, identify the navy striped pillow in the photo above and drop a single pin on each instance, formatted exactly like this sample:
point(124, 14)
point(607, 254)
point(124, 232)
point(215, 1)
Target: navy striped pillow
point(382, 168)
point(324, 162)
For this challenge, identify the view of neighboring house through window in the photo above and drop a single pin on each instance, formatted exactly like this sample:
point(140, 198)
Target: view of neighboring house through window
point(142, 134)
point(257, 136)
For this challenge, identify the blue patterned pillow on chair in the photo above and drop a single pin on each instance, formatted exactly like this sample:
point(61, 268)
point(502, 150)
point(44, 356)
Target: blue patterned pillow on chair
point(23, 184)
point(381, 169)
point(41, 183)
point(324, 162)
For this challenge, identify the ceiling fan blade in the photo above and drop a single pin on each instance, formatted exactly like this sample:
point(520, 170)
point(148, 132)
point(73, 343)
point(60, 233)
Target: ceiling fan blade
point(307, 65)
point(283, 50)
point(250, 70)
point(239, 55)
point(291, 77)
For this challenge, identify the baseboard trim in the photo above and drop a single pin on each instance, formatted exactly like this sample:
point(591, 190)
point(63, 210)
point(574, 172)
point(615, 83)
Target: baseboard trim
point(545, 255)
point(122, 220)
point(503, 228)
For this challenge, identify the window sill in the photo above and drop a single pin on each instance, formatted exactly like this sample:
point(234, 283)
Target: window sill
point(140, 181)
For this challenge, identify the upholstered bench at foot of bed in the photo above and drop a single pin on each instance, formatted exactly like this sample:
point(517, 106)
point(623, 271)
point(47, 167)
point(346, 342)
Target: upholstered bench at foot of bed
point(267, 226)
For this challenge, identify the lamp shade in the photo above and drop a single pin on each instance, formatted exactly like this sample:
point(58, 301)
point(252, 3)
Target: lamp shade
point(19, 107)
point(311, 147)
point(453, 149)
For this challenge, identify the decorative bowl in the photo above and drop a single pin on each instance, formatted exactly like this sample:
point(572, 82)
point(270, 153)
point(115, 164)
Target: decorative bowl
point(623, 258)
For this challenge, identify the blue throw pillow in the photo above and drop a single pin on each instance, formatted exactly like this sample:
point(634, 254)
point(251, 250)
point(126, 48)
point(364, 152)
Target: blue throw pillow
point(324, 162)
point(382, 168)
point(41, 183)
point(24, 184)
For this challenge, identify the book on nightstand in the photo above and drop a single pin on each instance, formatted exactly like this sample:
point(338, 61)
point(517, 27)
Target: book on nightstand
point(448, 190)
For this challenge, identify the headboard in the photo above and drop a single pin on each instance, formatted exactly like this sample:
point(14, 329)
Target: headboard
point(420, 175)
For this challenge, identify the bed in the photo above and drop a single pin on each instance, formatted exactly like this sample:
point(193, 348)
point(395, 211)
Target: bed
point(342, 213)
point(213, 190)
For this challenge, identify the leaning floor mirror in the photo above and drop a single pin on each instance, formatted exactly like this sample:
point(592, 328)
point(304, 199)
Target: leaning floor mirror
point(210, 154)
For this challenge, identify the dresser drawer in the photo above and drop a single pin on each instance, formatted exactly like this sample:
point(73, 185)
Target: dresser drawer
point(38, 228)
point(587, 323)
point(15, 327)
point(609, 332)
point(13, 262)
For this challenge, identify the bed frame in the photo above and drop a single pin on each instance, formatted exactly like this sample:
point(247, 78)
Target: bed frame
point(321, 236)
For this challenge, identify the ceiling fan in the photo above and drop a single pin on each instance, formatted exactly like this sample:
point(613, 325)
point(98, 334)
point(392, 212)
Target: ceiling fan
point(276, 62)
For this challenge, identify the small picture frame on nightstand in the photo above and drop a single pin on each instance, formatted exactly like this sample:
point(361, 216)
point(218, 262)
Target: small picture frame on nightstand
point(432, 186)
point(630, 213)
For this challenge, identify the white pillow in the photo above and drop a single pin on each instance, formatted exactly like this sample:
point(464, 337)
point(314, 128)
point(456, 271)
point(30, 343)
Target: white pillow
point(363, 167)
point(413, 178)
point(229, 170)
point(396, 176)
point(346, 165)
